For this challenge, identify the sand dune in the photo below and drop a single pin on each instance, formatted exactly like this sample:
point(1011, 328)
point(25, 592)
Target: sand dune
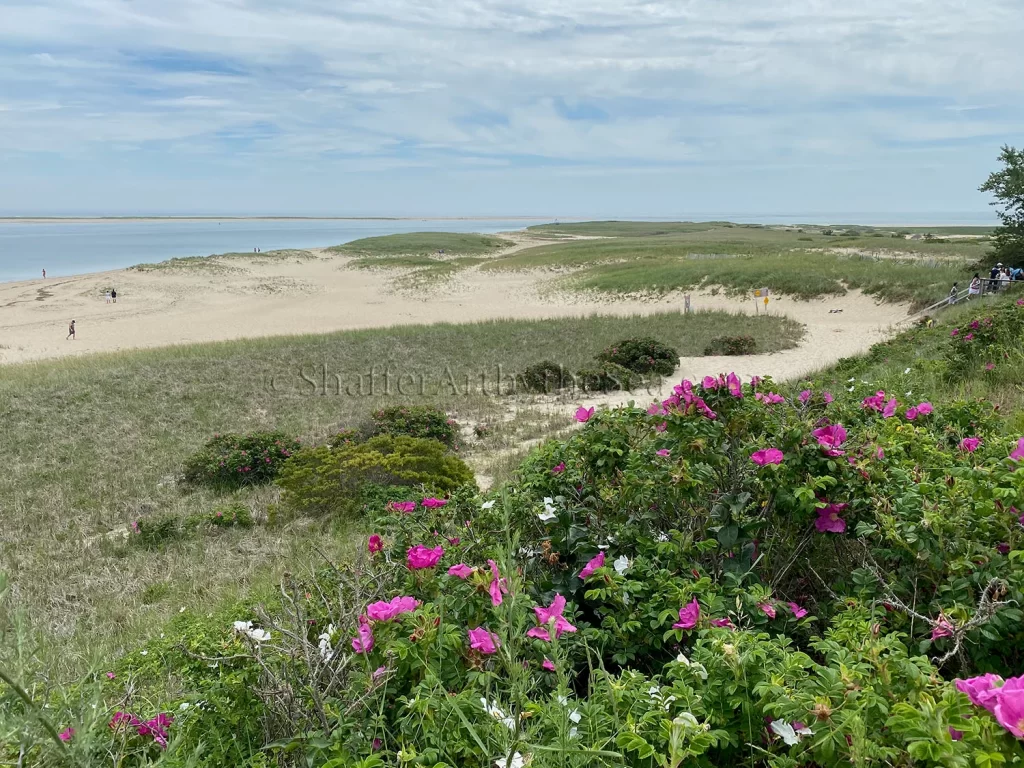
point(254, 297)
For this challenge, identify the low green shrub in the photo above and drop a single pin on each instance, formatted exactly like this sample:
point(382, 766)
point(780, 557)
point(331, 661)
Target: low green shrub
point(731, 345)
point(156, 530)
point(420, 421)
point(235, 514)
point(545, 377)
point(642, 355)
point(607, 377)
point(233, 461)
point(328, 480)
point(161, 528)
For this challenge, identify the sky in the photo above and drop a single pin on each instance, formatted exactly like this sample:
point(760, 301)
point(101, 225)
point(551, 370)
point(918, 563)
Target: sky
point(603, 108)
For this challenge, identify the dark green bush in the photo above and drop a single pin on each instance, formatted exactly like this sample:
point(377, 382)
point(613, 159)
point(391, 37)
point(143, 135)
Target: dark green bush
point(234, 461)
point(415, 421)
point(326, 480)
point(731, 345)
point(545, 376)
point(642, 355)
point(607, 377)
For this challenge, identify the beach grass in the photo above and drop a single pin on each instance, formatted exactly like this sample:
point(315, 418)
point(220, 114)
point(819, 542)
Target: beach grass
point(801, 263)
point(424, 243)
point(96, 442)
point(215, 262)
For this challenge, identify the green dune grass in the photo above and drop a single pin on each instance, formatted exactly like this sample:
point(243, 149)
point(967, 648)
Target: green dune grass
point(420, 243)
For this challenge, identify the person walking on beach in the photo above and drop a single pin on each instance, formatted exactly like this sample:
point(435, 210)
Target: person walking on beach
point(71, 331)
point(44, 274)
point(108, 297)
point(113, 295)
point(952, 293)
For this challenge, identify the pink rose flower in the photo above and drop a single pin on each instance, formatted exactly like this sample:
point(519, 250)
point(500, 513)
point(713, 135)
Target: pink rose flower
point(767, 456)
point(375, 544)
point(405, 507)
point(1018, 453)
point(461, 571)
point(381, 611)
point(798, 612)
point(551, 618)
point(970, 444)
point(558, 468)
point(483, 641)
point(420, 557)
point(980, 689)
point(583, 414)
point(732, 381)
point(689, 615)
point(363, 642)
point(767, 609)
point(831, 438)
point(433, 503)
point(943, 628)
point(497, 585)
point(804, 396)
point(548, 665)
point(829, 520)
point(593, 565)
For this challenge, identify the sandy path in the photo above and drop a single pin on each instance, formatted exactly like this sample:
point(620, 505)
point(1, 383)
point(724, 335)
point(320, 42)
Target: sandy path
point(262, 297)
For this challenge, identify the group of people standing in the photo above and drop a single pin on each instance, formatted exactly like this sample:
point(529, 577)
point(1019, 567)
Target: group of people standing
point(1000, 276)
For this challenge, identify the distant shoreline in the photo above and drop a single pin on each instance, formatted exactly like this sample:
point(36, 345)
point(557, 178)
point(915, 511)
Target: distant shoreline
point(121, 219)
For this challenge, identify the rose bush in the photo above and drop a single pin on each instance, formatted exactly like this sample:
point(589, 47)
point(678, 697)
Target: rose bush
point(722, 577)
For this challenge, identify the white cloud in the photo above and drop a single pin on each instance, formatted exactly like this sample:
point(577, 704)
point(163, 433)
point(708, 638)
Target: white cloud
point(593, 84)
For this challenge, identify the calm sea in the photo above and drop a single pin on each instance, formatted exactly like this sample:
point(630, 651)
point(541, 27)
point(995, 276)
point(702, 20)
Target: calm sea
point(76, 247)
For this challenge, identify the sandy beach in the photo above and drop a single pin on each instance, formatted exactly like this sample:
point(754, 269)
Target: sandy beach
point(320, 291)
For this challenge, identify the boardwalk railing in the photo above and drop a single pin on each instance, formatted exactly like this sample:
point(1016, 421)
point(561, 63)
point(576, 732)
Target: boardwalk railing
point(964, 295)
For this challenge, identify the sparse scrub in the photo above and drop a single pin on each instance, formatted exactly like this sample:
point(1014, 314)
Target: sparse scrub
point(731, 345)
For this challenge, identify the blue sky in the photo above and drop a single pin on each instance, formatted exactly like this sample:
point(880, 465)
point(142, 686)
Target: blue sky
point(492, 107)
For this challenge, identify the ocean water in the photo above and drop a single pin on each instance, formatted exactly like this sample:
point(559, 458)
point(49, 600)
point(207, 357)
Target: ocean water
point(76, 247)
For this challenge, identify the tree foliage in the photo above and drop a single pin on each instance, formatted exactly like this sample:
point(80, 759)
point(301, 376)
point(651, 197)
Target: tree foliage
point(1007, 186)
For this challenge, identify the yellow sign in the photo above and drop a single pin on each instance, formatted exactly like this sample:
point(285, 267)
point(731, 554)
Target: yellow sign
point(766, 301)
point(757, 293)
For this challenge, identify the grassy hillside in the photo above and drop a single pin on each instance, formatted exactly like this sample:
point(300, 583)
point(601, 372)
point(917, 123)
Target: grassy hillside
point(94, 443)
point(801, 262)
point(424, 243)
point(920, 360)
